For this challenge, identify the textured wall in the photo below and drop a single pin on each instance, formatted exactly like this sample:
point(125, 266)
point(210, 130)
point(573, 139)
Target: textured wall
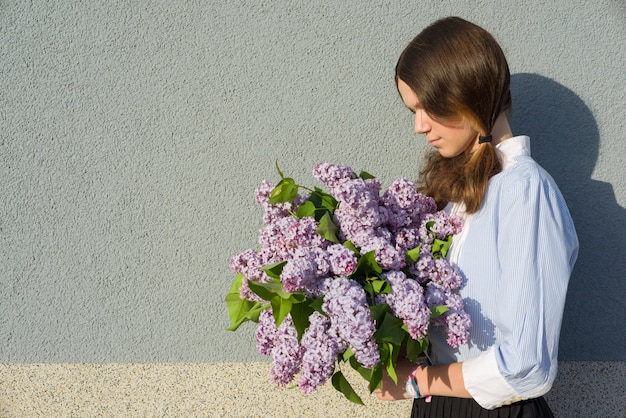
point(132, 136)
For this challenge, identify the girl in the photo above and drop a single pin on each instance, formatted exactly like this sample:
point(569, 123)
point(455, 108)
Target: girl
point(518, 244)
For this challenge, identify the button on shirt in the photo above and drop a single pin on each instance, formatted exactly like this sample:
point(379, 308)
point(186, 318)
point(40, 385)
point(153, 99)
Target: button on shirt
point(516, 254)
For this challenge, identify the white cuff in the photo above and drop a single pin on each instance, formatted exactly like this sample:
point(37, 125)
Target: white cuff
point(485, 383)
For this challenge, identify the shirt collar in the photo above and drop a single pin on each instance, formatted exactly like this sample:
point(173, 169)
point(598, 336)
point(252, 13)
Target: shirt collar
point(512, 148)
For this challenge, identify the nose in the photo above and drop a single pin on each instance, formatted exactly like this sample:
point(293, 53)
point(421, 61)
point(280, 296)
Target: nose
point(422, 122)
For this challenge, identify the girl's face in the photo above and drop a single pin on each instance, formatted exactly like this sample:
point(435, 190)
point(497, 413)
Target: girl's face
point(450, 137)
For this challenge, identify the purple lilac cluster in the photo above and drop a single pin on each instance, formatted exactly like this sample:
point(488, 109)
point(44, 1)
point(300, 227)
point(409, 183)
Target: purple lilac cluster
point(347, 324)
point(321, 346)
point(284, 237)
point(281, 343)
point(387, 224)
point(346, 304)
point(406, 301)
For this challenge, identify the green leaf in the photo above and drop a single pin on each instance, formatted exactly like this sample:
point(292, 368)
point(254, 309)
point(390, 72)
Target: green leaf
point(241, 310)
point(234, 287)
point(347, 355)
point(322, 199)
point(380, 286)
point(350, 245)
point(365, 175)
point(316, 305)
point(327, 229)
point(376, 377)
point(254, 312)
point(364, 372)
point(376, 286)
point(436, 311)
point(390, 330)
point(413, 255)
point(445, 247)
point(306, 209)
point(285, 191)
point(366, 266)
point(378, 311)
point(342, 385)
point(280, 308)
point(300, 313)
point(268, 291)
point(390, 364)
point(383, 348)
point(414, 348)
point(274, 270)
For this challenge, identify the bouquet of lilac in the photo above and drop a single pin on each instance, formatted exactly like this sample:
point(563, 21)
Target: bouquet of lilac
point(347, 276)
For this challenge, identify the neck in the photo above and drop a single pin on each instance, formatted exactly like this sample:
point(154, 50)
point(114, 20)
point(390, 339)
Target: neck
point(501, 130)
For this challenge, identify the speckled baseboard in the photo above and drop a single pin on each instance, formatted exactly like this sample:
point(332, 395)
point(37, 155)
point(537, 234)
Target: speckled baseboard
point(170, 390)
point(584, 389)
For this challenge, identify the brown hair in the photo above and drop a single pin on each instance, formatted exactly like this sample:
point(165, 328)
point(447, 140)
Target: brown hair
point(457, 68)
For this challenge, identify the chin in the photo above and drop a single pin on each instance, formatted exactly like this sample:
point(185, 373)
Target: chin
point(445, 154)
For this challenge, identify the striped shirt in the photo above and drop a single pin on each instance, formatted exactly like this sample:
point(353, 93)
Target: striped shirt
point(516, 254)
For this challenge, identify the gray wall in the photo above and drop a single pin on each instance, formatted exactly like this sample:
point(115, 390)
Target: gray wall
point(133, 134)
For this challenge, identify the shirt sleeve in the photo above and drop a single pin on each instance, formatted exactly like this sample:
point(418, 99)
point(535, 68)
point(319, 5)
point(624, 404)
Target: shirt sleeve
point(536, 249)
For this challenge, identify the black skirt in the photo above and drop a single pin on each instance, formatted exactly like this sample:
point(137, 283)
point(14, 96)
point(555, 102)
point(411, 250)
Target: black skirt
point(446, 407)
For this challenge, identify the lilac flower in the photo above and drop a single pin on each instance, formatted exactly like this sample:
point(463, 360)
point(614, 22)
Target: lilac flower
point(273, 211)
point(455, 320)
point(454, 301)
point(286, 356)
point(387, 256)
point(283, 236)
point(435, 295)
point(298, 273)
point(345, 302)
point(248, 264)
point(332, 174)
point(266, 333)
point(401, 193)
point(407, 239)
point(458, 324)
point(306, 265)
point(443, 225)
point(342, 260)
point(282, 344)
point(424, 269)
point(321, 348)
point(406, 206)
point(448, 275)
point(406, 301)
point(354, 227)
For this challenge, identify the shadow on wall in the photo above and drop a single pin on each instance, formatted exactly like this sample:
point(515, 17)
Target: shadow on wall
point(565, 141)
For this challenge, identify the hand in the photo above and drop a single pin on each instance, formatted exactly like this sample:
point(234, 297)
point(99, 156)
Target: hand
point(391, 391)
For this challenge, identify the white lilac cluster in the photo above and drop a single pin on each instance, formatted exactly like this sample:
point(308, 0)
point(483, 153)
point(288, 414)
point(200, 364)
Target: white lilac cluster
point(388, 224)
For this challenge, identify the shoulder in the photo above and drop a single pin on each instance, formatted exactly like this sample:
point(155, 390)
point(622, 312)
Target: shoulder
point(524, 172)
point(524, 185)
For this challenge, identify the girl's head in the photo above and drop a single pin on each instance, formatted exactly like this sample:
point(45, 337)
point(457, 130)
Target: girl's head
point(457, 69)
point(454, 75)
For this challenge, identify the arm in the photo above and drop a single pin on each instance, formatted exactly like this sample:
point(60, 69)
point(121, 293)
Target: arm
point(441, 380)
point(536, 248)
